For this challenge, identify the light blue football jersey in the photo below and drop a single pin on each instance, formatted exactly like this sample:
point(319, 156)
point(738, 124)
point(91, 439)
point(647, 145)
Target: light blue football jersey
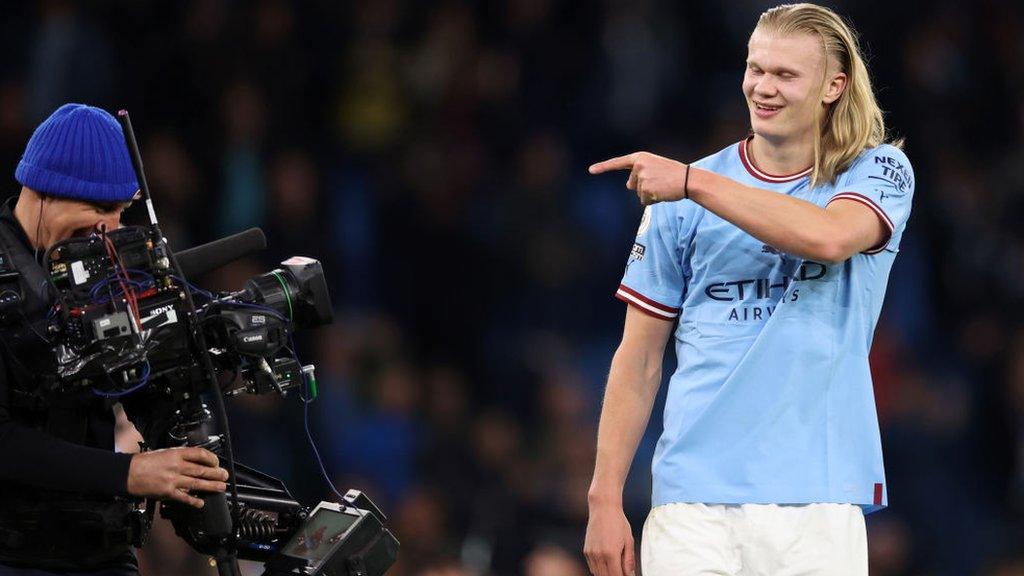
point(772, 400)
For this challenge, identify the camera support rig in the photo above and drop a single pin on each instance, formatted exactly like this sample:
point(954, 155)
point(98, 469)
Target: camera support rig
point(126, 325)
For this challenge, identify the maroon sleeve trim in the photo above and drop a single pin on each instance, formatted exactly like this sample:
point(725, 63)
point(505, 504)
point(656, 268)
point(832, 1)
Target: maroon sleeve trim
point(886, 221)
point(645, 304)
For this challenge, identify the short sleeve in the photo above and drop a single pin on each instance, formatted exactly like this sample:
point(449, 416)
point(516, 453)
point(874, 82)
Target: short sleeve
point(883, 180)
point(655, 279)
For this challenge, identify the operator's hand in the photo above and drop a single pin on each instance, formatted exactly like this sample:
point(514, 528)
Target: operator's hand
point(609, 542)
point(171, 473)
point(654, 178)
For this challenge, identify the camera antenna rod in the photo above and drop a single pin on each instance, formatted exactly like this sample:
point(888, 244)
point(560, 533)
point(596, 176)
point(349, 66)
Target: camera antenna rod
point(133, 150)
point(226, 557)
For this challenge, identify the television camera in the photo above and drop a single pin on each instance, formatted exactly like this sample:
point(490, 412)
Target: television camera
point(127, 324)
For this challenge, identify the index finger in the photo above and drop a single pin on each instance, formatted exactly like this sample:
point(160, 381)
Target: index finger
point(201, 456)
point(617, 163)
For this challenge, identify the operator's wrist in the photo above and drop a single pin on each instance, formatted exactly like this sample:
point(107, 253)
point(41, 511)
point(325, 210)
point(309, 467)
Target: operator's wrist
point(128, 487)
point(114, 476)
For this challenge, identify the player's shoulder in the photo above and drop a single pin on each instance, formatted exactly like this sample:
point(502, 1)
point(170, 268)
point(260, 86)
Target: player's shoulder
point(885, 154)
point(883, 162)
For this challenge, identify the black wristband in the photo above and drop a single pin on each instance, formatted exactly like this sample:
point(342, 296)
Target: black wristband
point(686, 184)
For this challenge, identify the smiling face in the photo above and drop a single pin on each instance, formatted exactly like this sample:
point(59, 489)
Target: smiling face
point(785, 84)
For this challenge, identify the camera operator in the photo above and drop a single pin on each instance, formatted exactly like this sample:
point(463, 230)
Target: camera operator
point(64, 492)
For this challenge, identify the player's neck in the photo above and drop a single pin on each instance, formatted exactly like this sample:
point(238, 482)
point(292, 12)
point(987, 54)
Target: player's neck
point(781, 156)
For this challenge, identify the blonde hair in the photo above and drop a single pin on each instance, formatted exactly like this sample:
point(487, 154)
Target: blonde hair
point(854, 121)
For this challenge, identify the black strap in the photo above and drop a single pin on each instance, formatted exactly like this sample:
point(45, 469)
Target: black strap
point(24, 339)
point(33, 277)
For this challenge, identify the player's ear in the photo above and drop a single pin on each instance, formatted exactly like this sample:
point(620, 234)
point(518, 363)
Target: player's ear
point(834, 88)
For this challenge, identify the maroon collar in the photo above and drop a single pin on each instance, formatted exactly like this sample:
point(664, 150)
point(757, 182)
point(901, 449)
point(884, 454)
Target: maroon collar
point(756, 172)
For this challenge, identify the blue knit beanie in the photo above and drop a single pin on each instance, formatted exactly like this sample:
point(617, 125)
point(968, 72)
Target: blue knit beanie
point(79, 152)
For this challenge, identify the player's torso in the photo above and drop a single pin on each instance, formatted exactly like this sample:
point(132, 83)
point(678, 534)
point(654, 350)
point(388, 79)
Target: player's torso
point(737, 283)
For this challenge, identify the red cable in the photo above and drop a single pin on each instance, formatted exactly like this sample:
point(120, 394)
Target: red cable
point(119, 269)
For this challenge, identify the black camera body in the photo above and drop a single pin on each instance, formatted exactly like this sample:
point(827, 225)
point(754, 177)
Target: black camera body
point(108, 320)
point(127, 325)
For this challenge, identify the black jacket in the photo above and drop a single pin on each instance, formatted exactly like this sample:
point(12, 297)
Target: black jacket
point(59, 474)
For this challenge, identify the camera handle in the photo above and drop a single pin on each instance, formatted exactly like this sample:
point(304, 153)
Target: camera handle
point(216, 515)
point(217, 522)
point(227, 563)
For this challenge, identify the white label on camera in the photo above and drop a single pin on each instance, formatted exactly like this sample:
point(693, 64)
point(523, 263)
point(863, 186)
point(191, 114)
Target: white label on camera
point(78, 272)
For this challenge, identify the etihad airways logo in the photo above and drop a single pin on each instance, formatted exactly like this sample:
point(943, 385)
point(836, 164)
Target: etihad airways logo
point(763, 288)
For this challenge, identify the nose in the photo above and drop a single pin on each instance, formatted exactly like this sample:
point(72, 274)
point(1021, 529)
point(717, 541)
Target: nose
point(110, 222)
point(766, 86)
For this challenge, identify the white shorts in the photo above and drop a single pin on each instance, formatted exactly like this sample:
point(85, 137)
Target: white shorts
point(754, 539)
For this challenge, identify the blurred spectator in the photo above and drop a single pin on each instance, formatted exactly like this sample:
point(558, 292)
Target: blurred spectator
point(70, 60)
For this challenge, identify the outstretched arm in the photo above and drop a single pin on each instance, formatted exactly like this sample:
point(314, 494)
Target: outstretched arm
point(830, 234)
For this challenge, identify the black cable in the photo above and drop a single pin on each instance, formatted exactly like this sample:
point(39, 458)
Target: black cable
point(211, 375)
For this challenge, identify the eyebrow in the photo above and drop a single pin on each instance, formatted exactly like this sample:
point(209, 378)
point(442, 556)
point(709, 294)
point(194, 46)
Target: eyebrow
point(109, 207)
point(777, 69)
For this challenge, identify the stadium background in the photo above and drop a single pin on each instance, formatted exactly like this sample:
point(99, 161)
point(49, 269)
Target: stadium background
point(434, 157)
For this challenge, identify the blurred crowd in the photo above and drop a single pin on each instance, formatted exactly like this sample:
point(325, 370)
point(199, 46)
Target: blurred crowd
point(433, 156)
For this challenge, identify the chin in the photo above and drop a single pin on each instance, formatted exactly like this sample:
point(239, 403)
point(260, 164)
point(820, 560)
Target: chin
point(764, 129)
point(770, 129)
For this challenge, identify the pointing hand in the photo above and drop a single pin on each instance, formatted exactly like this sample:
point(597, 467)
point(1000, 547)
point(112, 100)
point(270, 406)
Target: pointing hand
point(654, 178)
